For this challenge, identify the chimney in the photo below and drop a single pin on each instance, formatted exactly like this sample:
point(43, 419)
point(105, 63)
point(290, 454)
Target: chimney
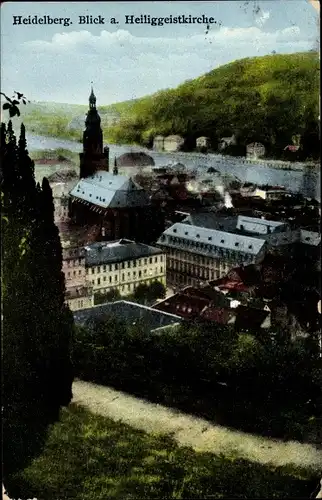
point(115, 169)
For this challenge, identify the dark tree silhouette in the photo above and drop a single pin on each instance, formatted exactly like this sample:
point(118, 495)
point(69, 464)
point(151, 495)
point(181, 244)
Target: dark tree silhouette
point(37, 325)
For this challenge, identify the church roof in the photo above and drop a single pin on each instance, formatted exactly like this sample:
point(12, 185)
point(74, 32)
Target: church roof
point(107, 190)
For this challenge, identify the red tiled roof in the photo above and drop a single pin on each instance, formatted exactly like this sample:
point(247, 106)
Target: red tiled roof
point(183, 305)
point(219, 315)
point(234, 285)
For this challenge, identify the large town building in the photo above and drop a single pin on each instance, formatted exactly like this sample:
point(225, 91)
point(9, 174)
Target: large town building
point(205, 247)
point(117, 204)
point(79, 292)
point(123, 265)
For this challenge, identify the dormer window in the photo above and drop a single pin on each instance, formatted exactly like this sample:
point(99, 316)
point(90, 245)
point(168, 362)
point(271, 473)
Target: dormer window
point(250, 247)
point(174, 230)
point(186, 233)
point(236, 244)
point(210, 238)
point(198, 235)
point(222, 241)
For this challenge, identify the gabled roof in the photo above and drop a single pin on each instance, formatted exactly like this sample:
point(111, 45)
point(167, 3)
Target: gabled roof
point(211, 221)
point(183, 305)
point(103, 252)
point(110, 191)
point(129, 312)
point(218, 314)
point(260, 222)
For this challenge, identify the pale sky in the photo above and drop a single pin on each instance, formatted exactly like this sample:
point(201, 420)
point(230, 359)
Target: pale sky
point(56, 63)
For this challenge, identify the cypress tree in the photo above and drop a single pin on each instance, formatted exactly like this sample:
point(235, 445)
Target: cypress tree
point(37, 325)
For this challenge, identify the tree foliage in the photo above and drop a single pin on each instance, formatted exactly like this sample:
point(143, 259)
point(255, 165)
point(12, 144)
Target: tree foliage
point(37, 325)
point(267, 99)
point(264, 384)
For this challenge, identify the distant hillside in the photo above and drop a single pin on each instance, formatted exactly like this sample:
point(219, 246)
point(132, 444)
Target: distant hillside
point(267, 99)
point(63, 120)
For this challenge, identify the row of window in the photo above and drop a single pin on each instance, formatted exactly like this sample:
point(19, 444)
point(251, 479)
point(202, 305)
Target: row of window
point(134, 275)
point(79, 304)
point(234, 257)
point(201, 272)
point(193, 258)
point(74, 273)
point(127, 288)
point(122, 265)
point(204, 247)
point(74, 262)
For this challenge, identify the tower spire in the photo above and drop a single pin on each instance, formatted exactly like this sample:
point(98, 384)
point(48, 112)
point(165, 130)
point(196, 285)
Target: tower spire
point(92, 98)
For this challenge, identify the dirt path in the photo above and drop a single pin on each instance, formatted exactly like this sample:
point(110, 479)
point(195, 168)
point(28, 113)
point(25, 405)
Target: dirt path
point(192, 431)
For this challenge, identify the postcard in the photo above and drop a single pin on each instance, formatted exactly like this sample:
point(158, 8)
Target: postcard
point(161, 249)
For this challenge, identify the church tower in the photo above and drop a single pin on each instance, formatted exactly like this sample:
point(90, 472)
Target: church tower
point(93, 157)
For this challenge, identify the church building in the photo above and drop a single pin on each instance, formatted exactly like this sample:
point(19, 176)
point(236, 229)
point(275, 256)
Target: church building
point(115, 203)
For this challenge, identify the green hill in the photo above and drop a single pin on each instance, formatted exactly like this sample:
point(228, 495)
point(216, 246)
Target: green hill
point(267, 99)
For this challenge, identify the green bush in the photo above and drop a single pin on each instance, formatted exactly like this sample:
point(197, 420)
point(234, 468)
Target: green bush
point(268, 383)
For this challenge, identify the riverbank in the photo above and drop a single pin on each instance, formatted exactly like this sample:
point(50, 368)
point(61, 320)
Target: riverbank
point(305, 181)
point(54, 156)
point(263, 162)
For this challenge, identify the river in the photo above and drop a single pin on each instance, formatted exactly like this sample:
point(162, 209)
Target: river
point(306, 181)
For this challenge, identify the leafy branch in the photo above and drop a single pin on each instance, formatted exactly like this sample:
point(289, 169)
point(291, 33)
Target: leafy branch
point(12, 104)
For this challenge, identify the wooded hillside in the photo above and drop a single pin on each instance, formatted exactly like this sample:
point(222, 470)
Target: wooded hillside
point(267, 99)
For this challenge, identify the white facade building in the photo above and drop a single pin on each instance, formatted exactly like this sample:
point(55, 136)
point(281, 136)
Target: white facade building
point(205, 247)
point(123, 265)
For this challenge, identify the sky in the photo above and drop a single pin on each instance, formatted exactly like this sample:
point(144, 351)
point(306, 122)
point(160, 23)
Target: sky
point(57, 63)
